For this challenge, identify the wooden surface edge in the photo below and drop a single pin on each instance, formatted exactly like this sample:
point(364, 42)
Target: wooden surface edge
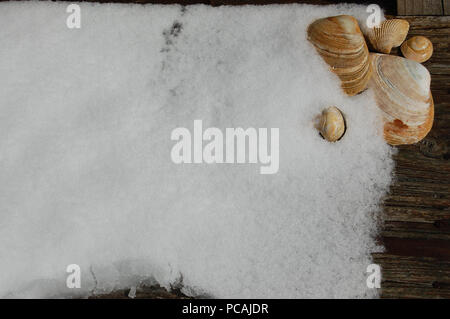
point(416, 230)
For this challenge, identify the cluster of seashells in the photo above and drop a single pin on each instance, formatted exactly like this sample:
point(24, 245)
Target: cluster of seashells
point(401, 85)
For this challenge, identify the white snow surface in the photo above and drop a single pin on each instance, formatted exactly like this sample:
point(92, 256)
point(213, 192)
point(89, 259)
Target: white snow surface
point(85, 170)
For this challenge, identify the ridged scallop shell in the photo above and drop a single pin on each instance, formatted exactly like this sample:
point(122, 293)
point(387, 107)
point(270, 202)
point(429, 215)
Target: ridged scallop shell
point(331, 124)
point(418, 49)
point(390, 34)
point(402, 92)
point(341, 44)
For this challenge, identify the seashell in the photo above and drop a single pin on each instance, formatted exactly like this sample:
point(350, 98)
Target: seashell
point(331, 124)
point(402, 92)
point(390, 34)
point(418, 49)
point(341, 44)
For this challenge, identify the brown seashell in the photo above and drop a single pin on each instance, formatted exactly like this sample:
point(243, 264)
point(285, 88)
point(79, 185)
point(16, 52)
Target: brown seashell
point(390, 34)
point(331, 124)
point(402, 92)
point(341, 44)
point(418, 49)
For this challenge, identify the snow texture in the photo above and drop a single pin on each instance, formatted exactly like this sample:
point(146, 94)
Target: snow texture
point(86, 176)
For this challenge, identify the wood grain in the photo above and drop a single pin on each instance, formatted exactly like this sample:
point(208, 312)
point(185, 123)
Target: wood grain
point(414, 277)
point(416, 231)
point(420, 7)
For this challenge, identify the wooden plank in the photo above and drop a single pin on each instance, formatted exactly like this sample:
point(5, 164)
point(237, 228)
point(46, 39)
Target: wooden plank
point(389, 6)
point(416, 231)
point(415, 215)
point(420, 7)
point(446, 4)
point(416, 247)
point(426, 22)
point(420, 271)
point(413, 277)
point(432, 7)
point(401, 7)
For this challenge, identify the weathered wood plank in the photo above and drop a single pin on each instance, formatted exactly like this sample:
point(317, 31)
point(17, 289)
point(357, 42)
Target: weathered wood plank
point(419, 7)
point(422, 271)
point(426, 22)
point(414, 277)
point(416, 231)
point(419, 215)
point(398, 291)
point(147, 292)
point(446, 7)
point(406, 244)
point(401, 7)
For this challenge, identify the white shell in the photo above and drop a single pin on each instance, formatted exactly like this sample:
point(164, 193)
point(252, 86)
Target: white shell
point(402, 92)
point(331, 124)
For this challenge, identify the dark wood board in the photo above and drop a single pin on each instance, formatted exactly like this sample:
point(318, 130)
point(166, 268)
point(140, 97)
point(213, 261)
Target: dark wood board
point(420, 7)
point(416, 231)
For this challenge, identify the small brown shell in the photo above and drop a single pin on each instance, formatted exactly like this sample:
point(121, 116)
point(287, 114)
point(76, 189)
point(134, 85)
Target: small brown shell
point(402, 92)
point(340, 42)
point(418, 49)
point(331, 124)
point(390, 34)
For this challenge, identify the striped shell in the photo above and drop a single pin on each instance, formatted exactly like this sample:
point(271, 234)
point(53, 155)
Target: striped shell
point(418, 49)
point(402, 92)
point(331, 124)
point(341, 44)
point(390, 34)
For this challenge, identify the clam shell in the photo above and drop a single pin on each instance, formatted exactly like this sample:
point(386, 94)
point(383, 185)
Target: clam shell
point(331, 124)
point(417, 48)
point(390, 34)
point(341, 44)
point(402, 92)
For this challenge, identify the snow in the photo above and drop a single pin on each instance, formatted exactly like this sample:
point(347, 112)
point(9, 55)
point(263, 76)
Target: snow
point(86, 176)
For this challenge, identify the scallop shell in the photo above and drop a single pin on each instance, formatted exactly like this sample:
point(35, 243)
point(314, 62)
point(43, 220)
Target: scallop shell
point(390, 34)
point(341, 44)
point(331, 124)
point(402, 92)
point(418, 49)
